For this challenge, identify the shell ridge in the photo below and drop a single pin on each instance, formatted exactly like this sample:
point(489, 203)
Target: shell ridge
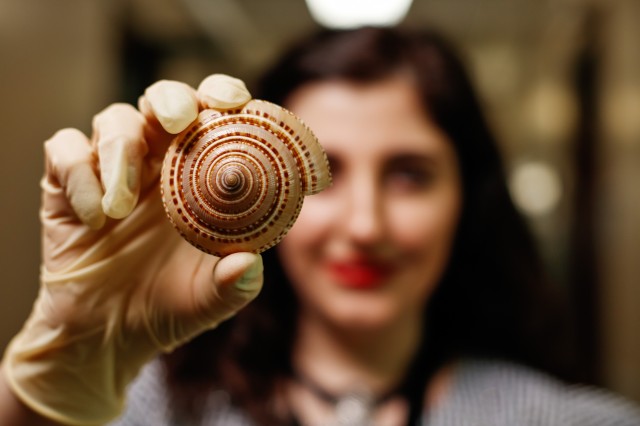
point(235, 180)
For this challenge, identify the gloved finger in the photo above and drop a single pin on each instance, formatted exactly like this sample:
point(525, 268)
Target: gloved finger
point(118, 135)
point(220, 91)
point(236, 280)
point(70, 165)
point(172, 103)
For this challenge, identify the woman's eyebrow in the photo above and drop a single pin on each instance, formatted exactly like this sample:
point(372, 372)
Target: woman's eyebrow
point(413, 158)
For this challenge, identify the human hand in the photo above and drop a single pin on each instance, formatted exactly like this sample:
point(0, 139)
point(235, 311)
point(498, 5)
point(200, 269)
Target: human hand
point(118, 284)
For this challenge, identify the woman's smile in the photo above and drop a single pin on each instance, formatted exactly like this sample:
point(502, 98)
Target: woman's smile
point(360, 273)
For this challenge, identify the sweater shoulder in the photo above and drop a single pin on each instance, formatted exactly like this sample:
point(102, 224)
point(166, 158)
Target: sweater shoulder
point(498, 393)
point(149, 402)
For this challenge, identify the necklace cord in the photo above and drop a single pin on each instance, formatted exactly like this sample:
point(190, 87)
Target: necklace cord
point(332, 399)
point(412, 389)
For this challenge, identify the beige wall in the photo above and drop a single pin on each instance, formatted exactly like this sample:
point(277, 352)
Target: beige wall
point(56, 69)
point(620, 207)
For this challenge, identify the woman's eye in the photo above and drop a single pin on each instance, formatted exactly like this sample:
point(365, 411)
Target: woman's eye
point(334, 164)
point(409, 178)
point(335, 167)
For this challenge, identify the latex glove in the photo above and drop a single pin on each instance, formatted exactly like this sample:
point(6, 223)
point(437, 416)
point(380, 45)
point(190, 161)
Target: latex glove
point(115, 292)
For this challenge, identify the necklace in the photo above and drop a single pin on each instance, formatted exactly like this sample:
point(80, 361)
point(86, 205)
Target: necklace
point(353, 408)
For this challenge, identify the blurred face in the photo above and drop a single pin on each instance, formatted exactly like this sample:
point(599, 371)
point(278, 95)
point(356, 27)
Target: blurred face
point(369, 250)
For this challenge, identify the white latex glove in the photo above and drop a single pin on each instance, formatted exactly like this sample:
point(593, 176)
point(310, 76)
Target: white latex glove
point(118, 283)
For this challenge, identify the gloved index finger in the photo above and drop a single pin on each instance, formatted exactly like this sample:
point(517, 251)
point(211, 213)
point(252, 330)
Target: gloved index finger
point(220, 91)
point(174, 104)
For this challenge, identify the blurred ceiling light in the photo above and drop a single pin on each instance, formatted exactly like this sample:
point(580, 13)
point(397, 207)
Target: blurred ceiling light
point(552, 111)
point(535, 188)
point(356, 13)
point(621, 105)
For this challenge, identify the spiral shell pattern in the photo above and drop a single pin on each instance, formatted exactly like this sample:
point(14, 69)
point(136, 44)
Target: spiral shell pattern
point(235, 180)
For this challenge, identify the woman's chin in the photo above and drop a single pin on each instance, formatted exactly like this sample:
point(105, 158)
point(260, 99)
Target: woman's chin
point(363, 320)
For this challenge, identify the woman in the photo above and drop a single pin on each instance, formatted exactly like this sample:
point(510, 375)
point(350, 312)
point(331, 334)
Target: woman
point(407, 293)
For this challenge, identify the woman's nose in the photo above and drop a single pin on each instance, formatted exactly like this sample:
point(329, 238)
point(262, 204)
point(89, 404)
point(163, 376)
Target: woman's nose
point(364, 218)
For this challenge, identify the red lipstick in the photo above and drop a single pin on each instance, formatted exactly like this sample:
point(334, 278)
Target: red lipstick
point(359, 274)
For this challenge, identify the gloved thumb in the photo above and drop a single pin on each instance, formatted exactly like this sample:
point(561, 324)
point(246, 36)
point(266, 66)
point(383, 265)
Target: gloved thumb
point(236, 280)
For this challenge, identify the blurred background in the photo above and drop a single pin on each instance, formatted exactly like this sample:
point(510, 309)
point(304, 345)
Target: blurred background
point(560, 80)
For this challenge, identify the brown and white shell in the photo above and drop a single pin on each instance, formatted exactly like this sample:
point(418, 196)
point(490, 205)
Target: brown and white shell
point(235, 180)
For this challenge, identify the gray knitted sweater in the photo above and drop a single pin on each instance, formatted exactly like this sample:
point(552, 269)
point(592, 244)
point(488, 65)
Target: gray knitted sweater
point(484, 393)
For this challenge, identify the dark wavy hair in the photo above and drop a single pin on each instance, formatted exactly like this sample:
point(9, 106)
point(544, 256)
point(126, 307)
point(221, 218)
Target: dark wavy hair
point(493, 300)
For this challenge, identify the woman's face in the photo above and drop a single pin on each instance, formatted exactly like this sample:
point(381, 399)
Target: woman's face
point(369, 250)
